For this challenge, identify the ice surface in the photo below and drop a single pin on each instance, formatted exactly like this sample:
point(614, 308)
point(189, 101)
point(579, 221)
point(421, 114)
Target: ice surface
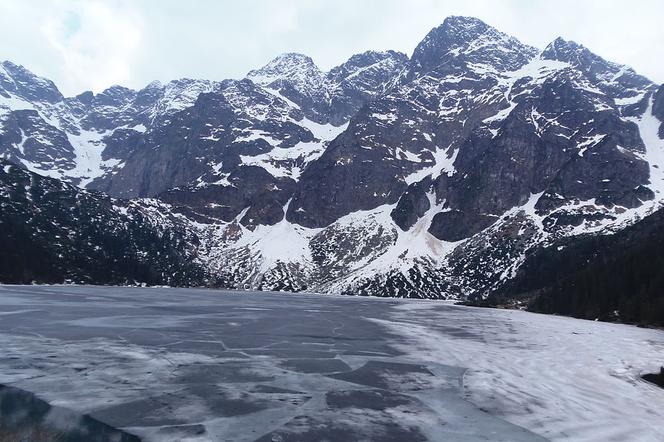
point(563, 378)
point(202, 365)
point(188, 364)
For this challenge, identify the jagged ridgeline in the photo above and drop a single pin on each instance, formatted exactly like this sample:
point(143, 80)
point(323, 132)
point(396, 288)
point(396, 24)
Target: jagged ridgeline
point(433, 175)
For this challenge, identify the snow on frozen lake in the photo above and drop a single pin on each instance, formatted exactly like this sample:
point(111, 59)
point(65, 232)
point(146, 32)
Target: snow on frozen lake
point(563, 378)
point(202, 365)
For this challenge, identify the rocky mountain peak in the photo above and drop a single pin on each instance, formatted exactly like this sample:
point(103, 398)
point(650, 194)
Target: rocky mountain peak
point(183, 92)
point(359, 64)
point(575, 54)
point(471, 40)
point(464, 27)
point(292, 67)
point(116, 95)
point(615, 79)
point(86, 97)
point(155, 85)
point(334, 96)
point(17, 80)
point(369, 57)
point(566, 50)
point(15, 69)
point(165, 98)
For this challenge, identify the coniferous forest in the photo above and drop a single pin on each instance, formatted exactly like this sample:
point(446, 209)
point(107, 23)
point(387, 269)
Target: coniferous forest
point(617, 277)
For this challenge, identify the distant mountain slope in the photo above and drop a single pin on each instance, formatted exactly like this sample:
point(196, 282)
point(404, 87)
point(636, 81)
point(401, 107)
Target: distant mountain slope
point(431, 176)
point(53, 233)
point(610, 277)
point(124, 141)
point(80, 139)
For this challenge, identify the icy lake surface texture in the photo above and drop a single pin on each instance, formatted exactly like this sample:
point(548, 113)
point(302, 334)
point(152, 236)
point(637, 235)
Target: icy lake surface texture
point(165, 364)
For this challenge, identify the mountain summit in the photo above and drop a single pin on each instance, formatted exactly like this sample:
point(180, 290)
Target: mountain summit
point(292, 67)
point(469, 39)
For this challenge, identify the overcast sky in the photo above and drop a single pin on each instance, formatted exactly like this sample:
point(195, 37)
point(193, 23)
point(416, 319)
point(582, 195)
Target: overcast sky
point(90, 44)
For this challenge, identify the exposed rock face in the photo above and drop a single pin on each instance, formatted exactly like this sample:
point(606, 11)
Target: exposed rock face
point(413, 204)
point(346, 168)
point(87, 137)
point(249, 187)
point(427, 176)
point(455, 225)
point(468, 100)
point(413, 131)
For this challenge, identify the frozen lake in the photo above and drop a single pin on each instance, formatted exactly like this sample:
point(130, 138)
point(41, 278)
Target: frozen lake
point(188, 364)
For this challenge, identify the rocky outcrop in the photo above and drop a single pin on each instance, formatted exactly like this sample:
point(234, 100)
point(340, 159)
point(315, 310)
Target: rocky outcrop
point(248, 187)
point(466, 40)
point(413, 204)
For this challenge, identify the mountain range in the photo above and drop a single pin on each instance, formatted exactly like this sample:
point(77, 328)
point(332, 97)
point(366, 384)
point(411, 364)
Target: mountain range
point(434, 175)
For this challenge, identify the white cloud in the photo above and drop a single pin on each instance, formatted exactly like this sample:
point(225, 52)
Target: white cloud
point(92, 44)
point(96, 42)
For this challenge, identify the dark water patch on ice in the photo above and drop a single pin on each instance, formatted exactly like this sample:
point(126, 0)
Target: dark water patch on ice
point(216, 373)
point(269, 389)
point(23, 416)
point(315, 365)
point(180, 432)
point(371, 399)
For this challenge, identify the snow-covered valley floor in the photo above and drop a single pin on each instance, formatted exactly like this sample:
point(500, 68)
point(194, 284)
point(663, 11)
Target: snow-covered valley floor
point(204, 365)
